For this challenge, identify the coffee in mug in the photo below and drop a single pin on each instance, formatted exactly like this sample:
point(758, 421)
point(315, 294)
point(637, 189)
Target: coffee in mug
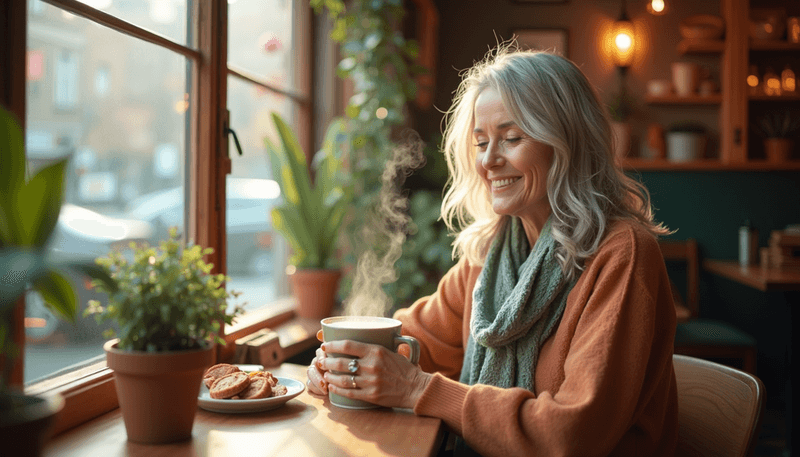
point(382, 331)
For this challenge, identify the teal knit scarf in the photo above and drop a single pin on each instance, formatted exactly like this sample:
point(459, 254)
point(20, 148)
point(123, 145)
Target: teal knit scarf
point(518, 301)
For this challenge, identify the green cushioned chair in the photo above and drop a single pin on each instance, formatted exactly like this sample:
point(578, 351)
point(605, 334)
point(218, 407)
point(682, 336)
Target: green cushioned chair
point(696, 336)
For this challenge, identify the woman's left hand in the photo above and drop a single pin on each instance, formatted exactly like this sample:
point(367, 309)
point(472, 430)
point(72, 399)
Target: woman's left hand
point(384, 377)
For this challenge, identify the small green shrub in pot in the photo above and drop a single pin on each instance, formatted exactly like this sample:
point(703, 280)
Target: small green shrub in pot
point(169, 309)
point(166, 297)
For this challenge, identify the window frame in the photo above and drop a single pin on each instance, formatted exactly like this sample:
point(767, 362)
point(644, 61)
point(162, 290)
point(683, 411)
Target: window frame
point(89, 391)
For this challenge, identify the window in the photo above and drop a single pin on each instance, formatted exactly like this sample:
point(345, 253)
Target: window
point(65, 81)
point(263, 78)
point(121, 87)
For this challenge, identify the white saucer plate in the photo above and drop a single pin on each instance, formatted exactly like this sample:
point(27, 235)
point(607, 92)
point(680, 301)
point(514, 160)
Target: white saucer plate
point(293, 389)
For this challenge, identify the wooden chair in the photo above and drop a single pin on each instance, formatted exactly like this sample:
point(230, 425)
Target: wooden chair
point(696, 336)
point(719, 409)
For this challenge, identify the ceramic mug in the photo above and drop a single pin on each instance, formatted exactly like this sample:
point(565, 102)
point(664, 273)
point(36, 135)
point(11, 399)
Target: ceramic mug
point(383, 331)
point(685, 77)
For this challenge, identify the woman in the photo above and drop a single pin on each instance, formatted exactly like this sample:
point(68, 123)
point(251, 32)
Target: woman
point(553, 334)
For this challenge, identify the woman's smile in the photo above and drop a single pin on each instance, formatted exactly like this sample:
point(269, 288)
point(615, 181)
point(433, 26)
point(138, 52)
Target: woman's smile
point(500, 184)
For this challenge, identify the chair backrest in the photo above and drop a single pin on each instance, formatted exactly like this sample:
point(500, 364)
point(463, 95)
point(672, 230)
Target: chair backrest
point(719, 409)
point(686, 251)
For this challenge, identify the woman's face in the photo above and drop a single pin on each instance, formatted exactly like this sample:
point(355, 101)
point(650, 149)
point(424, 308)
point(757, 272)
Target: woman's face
point(513, 165)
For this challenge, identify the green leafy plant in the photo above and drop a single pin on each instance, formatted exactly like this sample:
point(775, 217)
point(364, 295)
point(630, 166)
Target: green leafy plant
point(381, 63)
point(310, 216)
point(29, 211)
point(165, 299)
point(778, 124)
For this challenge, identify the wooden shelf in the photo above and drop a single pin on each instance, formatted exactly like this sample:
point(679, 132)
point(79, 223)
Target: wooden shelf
point(772, 98)
point(638, 164)
point(773, 45)
point(689, 46)
point(715, 99)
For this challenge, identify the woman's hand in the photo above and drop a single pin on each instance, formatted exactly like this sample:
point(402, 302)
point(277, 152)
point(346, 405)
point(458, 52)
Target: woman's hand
point(384, 377)
point(316, 382)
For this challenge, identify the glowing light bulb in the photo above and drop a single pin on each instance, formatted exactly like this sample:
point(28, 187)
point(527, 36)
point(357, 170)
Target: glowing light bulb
point(772, 84)
point(623, 41)
point(381, 113)
point(656, 7)
point(752, 80)
point(787, 80)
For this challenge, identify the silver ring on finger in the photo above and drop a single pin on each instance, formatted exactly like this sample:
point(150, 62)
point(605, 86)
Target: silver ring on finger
point(353, 382)
point(352, 367)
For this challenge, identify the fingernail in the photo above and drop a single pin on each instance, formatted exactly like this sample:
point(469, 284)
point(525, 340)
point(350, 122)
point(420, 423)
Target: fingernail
point(324, 346)
point(322, 384)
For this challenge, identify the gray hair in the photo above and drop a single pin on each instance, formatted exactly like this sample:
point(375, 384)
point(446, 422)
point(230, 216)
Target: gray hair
point(551, 100)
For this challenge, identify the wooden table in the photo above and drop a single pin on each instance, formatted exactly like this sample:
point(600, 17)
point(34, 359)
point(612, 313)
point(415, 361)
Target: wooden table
point(306, 426)
point(768, 280)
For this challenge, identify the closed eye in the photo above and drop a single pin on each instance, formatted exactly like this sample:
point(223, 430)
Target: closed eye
point(482, 145)
point(512, 140)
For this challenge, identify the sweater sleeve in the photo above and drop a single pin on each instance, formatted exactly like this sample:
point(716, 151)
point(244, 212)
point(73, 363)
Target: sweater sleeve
point(618, 361)
point(437, 321)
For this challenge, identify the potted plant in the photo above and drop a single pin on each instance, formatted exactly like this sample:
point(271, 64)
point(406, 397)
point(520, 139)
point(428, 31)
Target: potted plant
point(29, 210)
point(310, 216)
point(778, 129)
point(620, 109)
point(169, 309)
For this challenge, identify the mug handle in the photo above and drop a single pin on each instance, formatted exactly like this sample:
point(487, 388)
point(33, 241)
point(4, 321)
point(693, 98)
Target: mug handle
point(412, 343)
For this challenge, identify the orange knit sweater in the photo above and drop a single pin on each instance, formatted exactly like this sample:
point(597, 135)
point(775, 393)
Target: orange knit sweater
point(604, 383)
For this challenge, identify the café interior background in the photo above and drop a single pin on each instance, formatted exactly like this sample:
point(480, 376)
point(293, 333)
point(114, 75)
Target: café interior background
point(706, 205)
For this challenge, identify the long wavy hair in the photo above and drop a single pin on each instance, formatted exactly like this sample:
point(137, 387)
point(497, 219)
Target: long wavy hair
point(550, 99)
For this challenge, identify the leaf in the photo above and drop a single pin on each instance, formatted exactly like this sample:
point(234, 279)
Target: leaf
point(58, 294)
point(40, 203)
point(18, 267)
point(12, 173)
point(90, 270)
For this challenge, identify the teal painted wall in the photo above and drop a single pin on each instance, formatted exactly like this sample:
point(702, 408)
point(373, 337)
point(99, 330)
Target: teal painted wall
point(710, 206)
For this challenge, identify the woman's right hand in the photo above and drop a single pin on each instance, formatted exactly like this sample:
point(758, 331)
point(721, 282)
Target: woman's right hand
point(316, 381)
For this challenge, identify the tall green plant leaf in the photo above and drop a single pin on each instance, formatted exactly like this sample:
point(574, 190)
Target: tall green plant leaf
point(58, 294)
point(39, 202)
point(293, 157)
point(12, 173)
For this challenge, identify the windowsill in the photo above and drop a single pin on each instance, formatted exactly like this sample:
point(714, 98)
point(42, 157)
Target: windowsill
point(89, 391)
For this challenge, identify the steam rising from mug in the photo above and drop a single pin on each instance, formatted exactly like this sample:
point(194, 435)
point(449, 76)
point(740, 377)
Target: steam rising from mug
point(385, 232)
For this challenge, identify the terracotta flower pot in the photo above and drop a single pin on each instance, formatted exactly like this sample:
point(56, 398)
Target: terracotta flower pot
point(778, 149)
point(315, 291)
point(158, 392)
point(25, 425)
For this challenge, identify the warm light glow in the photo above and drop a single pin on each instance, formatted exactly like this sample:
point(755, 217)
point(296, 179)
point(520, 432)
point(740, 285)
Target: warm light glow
point(656, 7)
point(290, 270)
point(793, 34)
point(772, 85)
point(624, 43)
point(787, 80)
point(752, 81)
point(381, 113)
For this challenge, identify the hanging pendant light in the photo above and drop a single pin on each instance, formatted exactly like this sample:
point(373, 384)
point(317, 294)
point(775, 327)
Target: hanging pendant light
point(624, 40)
point(656, 7)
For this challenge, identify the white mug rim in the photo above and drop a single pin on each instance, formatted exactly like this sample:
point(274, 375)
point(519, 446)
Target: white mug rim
point(335, 319)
